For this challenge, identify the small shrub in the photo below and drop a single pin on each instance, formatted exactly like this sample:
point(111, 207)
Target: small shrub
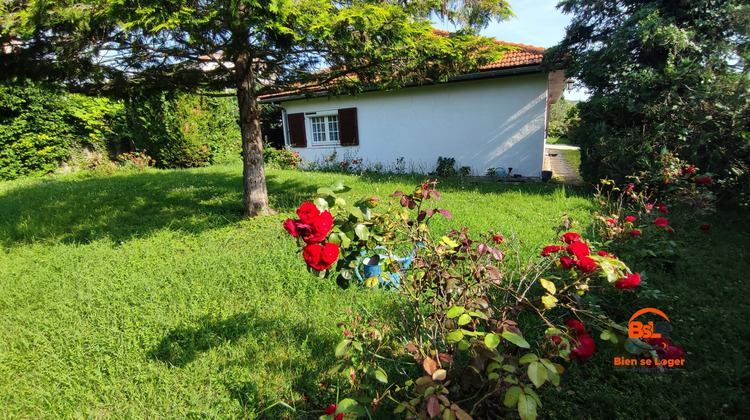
point(280, 158)
point(139, 161)
point(446, 167)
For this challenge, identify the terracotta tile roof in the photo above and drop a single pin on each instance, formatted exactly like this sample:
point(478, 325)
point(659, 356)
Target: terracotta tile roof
point(523, 55)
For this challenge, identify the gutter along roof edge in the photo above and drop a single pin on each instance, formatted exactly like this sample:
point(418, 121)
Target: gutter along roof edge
point(479, 75)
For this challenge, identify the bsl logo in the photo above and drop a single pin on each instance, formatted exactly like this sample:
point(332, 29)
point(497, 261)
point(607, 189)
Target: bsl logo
point(637, 329)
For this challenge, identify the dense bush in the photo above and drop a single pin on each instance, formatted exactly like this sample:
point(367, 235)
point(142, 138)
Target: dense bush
point(665, 77)
point(184, 130)
point(40, 127)
point(561, 113)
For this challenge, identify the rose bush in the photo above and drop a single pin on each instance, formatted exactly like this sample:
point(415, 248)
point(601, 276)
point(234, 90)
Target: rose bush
point(462, 299)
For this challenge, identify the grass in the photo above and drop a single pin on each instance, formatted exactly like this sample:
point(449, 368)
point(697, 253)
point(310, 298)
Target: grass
point(148, 295)
point(573, 157)
point(558, 140)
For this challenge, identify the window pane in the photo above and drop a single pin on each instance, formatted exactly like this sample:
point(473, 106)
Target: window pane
point(318, 129)
point(333, 128)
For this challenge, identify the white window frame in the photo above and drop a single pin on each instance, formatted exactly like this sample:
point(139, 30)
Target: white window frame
point(309, 128)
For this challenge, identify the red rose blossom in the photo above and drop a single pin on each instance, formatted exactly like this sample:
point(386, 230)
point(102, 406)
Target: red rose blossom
point(703, 180)
point(635, 232)
point(690, 169)
point(585, 348)
point(673, 353)
point(319, 257)
point(571, 237)
point(630, 219)
point(661, 222)
point(579, 249)
point(628, 282)
point(662, 208)
point(705, 228)
point(586, 265)
point(307, 212)
point(649, 206)
point(340, 416)
point(550, 249)
point(611, 222)
point(498, 239)
point(604, 254)
point(330, 410)
point(319, 228)
point(291, 227)
point(555, 339)
point(566, 262)
point(576, 325)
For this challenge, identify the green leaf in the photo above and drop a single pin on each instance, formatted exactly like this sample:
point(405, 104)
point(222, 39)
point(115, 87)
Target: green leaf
point(635, 346)
point(554, 377)
point(528, 358)
point(492, 340)
point(339, 186)
point(349, 405)
point(509, 368)
point(336, 369)
point(549, 301)
point(549, 365)
point(455, 311)
point(531, 393)
point(439, 375)
point(362, 232)
point(478, 315)
point(464, 319)
point(381, 376)
point(321, 203)
point(549, 286)
point(605, 335)
point(454, 337)
point(463, 345)
point(526, 407)
point(511, 396)
point(340, 202)
point(357, 345)
point(371, 281)
point(325, 191)
point(515, 339)
point(342, 347)
point(537, 373)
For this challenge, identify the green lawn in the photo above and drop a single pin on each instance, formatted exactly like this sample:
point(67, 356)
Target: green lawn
point(147, 295)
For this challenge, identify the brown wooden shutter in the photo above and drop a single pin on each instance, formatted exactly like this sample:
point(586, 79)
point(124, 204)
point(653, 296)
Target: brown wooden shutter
point(348, 127)
point(296, 123)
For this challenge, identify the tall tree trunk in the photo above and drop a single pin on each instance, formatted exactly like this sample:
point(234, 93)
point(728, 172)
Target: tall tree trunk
point(253, 174)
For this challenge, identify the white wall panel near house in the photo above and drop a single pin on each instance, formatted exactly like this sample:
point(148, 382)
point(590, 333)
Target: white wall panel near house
point(481, 123)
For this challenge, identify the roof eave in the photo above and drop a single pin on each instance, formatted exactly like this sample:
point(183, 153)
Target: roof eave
point(478, 75)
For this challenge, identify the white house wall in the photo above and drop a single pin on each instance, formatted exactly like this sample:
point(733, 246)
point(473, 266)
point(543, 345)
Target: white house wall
point(494, 123)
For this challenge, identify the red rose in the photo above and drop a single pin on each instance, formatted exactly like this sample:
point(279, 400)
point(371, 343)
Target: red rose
point(555, 339)
point(673, 352)
point(307, 212)
point(566, 262)
point(571, 237)
point(659, 344)
point(703, 180)
point(340, 416)
point(690, 169)
point(318, 257)
point(630, 219)
point(498, 239)
point(291, 227)
point(661, 222)
point(319, 228)
point(354, 161)
point(330, 410)
point(576, 325)
point(705, 228)
point(330, 253)
point(628, 282)
point(579, 249)
point(662, 208)
point(635, 232)
point(604, 254)
point(586, 265)
point(611, 222)
point(585, 348)
point(550, 249)
point(649, 206)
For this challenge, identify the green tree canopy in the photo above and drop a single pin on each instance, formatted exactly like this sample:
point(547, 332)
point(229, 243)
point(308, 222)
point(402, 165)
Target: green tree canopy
point(250, 47)
point(664, 76)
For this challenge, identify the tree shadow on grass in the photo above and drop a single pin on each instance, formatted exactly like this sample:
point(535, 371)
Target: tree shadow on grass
point(129, 205)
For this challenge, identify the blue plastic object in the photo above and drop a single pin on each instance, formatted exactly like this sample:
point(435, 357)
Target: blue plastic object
point(372, 266)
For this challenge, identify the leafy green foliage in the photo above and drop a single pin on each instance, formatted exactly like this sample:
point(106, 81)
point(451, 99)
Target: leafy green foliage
point(562, 115)
point(184, 130)
point(665, 77)
point(41, 127)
